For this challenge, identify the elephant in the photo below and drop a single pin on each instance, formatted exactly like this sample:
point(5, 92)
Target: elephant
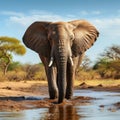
point(61, 47)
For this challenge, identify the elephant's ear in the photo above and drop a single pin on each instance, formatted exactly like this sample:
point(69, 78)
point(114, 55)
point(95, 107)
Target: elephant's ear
point(36, 39)
point(85, 34)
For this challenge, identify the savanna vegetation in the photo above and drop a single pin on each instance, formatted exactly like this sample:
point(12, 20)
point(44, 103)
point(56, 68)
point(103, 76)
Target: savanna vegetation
point(106, 67)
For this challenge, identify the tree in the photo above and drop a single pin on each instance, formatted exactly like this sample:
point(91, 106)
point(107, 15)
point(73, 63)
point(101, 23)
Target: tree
point(102, 66)
point(86, 63)
point(112, 53)
point(15, 66)
point(31, 70)
point(9, 45)
point(108, 64)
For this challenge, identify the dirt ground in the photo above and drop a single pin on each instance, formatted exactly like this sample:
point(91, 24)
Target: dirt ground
point(13, 95)
point(99, 87)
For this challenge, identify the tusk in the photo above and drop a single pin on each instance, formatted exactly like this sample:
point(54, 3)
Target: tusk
point(71, 61)
point(51, 62)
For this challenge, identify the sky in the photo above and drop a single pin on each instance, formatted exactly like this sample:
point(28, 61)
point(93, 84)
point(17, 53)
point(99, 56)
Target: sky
point(17, 15)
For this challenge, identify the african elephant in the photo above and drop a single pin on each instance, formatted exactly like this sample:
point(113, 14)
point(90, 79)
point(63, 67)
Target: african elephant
point(61, 46)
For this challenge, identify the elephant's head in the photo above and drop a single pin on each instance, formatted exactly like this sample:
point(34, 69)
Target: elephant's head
point(60, 42)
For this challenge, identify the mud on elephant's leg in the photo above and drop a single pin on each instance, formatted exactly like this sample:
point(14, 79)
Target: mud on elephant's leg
point(52, 85)
point(70, 77)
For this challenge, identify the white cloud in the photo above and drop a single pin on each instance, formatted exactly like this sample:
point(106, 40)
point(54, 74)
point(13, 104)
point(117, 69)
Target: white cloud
point(85, 13)
point(36, 15)
point(25, 19)
point(109, 27)
point(11, 13)
point(28, 18)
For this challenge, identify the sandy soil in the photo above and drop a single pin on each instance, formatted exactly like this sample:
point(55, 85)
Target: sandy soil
point(12, 95)
point(23, 88)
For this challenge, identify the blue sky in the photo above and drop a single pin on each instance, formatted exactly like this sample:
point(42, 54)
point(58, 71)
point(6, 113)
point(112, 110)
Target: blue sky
point(17, 15)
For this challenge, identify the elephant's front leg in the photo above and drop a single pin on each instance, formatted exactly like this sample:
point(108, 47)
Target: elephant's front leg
point(70, 77)
point(51, 77)
point(52, 84)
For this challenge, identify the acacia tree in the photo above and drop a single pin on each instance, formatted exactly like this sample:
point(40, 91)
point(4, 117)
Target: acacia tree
point(9, 45)
point(112, 53)
point(108, 64)
point(86, 63)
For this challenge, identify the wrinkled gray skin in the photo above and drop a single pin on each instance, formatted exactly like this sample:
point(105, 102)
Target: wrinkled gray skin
point(61, 46)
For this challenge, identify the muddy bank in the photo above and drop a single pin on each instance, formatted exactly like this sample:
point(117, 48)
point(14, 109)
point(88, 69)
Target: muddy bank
point(21, 103)
point(117, 105)
point(15, 96)
point(100, 105)
point(40, 88)
point(99, 87)
point(112, 107)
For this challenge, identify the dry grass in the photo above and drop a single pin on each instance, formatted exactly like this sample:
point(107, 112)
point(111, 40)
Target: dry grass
point(27, 83)
point(23, 84)
point(31, 88)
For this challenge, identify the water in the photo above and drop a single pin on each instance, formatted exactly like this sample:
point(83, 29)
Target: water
point(94, 111)
point(91, 111)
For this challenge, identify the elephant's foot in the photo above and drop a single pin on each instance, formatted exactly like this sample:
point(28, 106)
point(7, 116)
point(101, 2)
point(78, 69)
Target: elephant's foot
point(60, 99)
point(69, 94)
point(53, 94)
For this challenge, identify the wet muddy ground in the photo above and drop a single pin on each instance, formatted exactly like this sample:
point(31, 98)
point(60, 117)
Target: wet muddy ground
point(88, 103)
point(100, 105)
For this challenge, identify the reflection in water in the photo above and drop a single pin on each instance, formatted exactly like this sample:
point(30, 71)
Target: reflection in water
point(92, 111)
point(57, 112)
point(11, 116)
point(66, 112)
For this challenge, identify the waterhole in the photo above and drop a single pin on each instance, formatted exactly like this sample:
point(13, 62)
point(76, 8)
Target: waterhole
point(105, 106)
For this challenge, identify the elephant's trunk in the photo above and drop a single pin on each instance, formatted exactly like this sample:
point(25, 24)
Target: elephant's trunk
point(61, 55)
point(61, 60)
point(61, 81)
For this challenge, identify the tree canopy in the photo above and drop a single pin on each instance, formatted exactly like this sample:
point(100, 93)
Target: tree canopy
point(112, 53)
point(9, 45)
point(108, 64)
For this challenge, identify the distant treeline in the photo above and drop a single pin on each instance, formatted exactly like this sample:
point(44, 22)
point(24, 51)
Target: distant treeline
point(107, 67)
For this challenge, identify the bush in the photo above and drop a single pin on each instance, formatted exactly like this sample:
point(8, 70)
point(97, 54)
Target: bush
point(31, 70)
point(108, 69)
point(2, 77)
point(40, 76)
point(87, 75)
point(17, 76)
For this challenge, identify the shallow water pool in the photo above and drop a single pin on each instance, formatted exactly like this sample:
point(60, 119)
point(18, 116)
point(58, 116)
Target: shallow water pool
point(101, 108)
